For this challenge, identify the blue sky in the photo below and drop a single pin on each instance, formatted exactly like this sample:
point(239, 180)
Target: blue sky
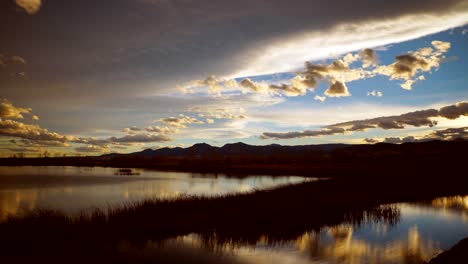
point(170, 73)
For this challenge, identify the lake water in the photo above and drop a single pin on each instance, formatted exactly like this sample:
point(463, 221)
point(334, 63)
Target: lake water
point(421, 231)
point(72, 189)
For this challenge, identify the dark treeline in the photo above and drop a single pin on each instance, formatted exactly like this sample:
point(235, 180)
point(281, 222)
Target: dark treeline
point(240, 158)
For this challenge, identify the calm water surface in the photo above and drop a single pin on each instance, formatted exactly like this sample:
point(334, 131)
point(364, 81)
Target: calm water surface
point(421, 231)
point(72, 189)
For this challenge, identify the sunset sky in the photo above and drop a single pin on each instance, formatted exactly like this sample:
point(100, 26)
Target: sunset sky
point(91, 77)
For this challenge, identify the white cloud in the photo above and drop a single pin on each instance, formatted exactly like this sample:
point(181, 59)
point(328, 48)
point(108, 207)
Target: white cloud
point(375, 93)
point(289, 54)
point(320, 98)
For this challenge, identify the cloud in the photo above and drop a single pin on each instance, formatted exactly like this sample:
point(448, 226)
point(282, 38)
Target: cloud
point(406, 66)
point(140, 138)
point(378, 31)
point(454, 111)
point(448, 134)
point(398, 140)
point(441, 45)
point(92, 149)
point(254, 86)
point(307, 133)
point(8, 110)
point(35, 133)
point(214, 85)
point(27, 143)
point(156, 49)
point(30, 6)
point(158, 129)
point(219, 113)
point(369, 57)
point(131, 130)
point(124, 140)
point(408, 84)
point(320, 98)
point(211, 82)
point(351, 58)
point(18, 60)
point(375, 93)
point(338, 73)
point(180, 121)
point(288, 90)
point(171, 125)
point(33, 136)
point(371, 140)
point(337, 89)
point(416, 118)
point(307, 81)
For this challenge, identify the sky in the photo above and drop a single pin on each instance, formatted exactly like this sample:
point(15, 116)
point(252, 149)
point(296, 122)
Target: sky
point(92, 77)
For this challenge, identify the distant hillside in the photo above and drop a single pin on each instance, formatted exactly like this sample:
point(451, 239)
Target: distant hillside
point(240, 158)
point(235, 150)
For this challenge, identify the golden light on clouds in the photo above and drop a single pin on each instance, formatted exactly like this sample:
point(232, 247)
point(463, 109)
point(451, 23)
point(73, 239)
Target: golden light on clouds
point(30, 6)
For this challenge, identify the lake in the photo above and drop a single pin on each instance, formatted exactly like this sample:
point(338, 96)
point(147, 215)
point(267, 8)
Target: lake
point(420, 231)
point(72, 189)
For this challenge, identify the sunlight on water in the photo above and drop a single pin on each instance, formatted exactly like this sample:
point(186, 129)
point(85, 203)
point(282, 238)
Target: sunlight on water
point(396, 233)
point(423, 231)
point(72, 189)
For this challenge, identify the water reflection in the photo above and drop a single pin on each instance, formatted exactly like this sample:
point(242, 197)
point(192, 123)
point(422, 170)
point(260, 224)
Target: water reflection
point(72, 189)
point(421, 232)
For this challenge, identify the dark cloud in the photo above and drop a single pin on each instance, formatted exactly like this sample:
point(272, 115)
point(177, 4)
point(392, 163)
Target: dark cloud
point(307, 133)
point(288, 90)
point(449, 134)
point(371, 140)
point(398, 140)
point(140, 138)
point(369, 57)
point(337, 89)
point(416, 118)
point(454, 111)
point(407, 65)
